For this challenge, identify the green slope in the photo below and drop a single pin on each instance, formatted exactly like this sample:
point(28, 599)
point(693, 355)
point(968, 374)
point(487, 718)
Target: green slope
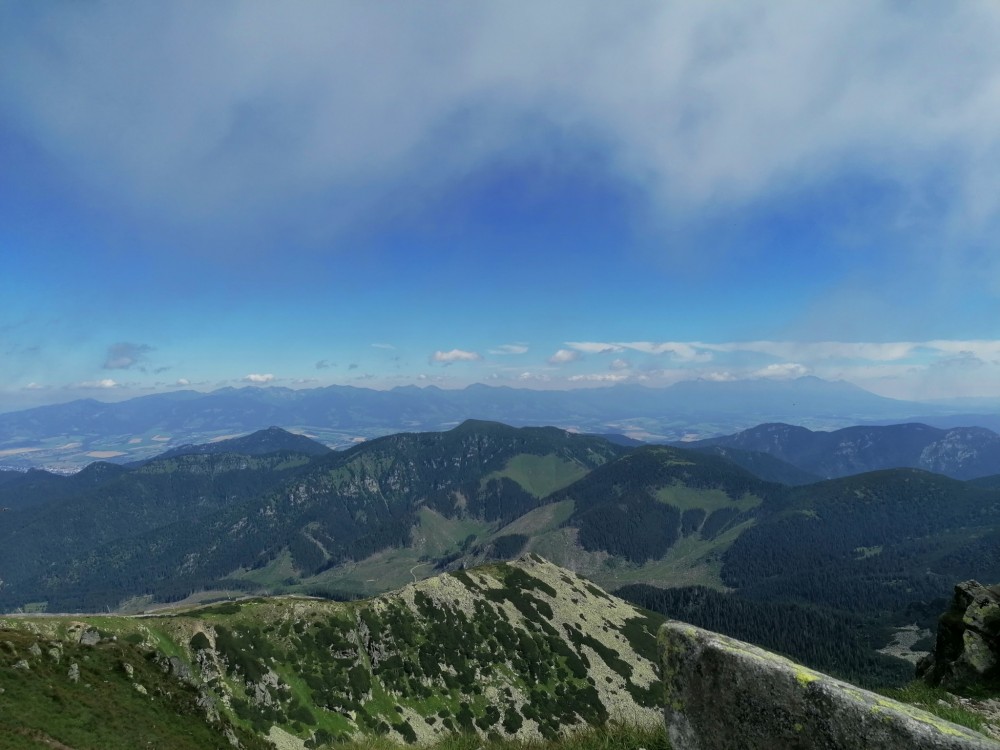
point(525, 650)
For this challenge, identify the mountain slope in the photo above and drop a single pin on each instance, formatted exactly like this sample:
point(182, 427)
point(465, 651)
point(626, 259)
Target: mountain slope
point(524, 649)
point(655, 514)
point(960, 452)
point(175, 525)
point(762, 465)
point(870, 543)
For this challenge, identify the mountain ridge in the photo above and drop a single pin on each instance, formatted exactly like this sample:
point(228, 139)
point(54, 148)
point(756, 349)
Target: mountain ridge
point(958, 452)
point(522, 649)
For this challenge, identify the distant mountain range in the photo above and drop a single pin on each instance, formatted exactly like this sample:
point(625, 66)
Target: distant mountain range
point(68, 436)
point(960, 453)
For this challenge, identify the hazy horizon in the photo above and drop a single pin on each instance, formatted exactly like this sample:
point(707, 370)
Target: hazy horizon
point(113, 396)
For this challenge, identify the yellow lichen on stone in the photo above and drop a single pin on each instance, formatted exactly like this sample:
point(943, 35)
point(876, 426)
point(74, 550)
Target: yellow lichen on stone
point(805, 676)
point(917, 714)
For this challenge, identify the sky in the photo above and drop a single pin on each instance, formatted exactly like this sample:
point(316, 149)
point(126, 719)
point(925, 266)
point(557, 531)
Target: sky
point(545, 195)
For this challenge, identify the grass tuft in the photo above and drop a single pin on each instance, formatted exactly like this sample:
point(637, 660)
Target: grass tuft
point(937, 701)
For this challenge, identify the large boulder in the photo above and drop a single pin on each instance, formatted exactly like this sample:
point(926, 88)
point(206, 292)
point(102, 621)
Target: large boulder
point(723, 694)
point(967, 651)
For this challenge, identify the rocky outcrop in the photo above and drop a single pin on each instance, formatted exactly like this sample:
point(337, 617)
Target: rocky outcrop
point(723, 694)
point(967, 651)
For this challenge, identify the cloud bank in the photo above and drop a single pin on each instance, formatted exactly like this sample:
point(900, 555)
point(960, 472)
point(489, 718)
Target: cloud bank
point(231, 116)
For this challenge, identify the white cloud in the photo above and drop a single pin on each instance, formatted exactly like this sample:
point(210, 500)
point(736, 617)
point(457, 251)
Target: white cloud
point(383, 346)
point(258, 378)
point(620, 364)
point(183, 381)
point(563, 356)
point(509, 349)
point(455, 355)
point(782, 371)
point(599, 378)
point(104, 383)
point(680, 351)
point(595, 347)
point(33, 387)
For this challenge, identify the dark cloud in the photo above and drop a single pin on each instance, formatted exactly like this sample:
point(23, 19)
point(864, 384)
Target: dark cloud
point(124, 355)
point(325, 364)
point(352, 366)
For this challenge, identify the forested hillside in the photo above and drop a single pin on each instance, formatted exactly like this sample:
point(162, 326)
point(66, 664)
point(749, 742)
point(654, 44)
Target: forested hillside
point(181, 523)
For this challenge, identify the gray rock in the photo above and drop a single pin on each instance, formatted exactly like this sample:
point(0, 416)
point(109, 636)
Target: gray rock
point(35, 649)
point(967, 650)
point(177, 667)
point(180, 669)
point(74, 672)
point(90, 637)
point(723, 694)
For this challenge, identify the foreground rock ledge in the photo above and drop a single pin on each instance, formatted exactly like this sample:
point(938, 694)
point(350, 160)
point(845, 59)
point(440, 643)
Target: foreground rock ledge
point(723, 693)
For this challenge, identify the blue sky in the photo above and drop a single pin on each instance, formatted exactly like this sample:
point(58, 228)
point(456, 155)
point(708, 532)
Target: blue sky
point(544, 195)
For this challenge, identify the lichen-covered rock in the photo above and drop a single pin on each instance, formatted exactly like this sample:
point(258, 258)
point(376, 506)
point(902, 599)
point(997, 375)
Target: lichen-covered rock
point(967, 650)
point(723, 694)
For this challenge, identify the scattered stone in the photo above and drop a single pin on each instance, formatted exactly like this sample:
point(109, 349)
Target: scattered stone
point(967, 650)
point(23, 664)
point(139, 688)
point(35, 649)
point(74, 672)
point(90, 637)
point(231, 737)
point(129, 670)
point(55, 654)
